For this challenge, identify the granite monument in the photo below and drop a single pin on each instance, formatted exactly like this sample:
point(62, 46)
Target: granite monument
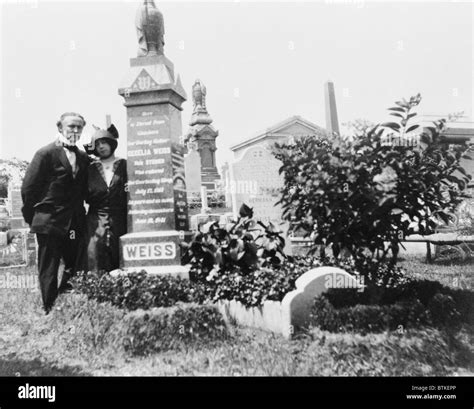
point(158, 212)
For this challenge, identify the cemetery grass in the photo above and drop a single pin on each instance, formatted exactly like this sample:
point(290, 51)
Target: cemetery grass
point(33, 344)
point(451, 274)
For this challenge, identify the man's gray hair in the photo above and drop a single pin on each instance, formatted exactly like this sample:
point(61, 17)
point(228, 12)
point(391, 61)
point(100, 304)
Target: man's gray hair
point(59, 123)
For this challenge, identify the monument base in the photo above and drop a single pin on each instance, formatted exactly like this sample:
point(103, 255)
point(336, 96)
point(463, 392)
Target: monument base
point(154, 252)
point(200, 218)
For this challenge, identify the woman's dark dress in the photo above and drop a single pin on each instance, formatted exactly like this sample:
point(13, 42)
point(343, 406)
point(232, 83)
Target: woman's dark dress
point(107, 215)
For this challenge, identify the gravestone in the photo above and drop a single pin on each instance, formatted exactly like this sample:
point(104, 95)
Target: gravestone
point(192, 169)
point(16, 203)
point(225, 171)
point(205, 215)
point(202, 133)
point(157, 211)
point(256, 182)
point(293, 313)
point(203, 218)
point(204, 203)
point(298, 303)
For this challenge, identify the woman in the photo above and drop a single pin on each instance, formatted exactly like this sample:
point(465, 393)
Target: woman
point(107, 198)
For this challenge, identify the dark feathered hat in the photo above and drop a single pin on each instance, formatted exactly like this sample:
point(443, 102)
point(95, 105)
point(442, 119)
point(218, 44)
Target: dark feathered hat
point(111, 134)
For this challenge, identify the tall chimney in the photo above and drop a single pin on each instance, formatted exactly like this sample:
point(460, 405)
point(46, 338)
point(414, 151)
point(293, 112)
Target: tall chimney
point(332, 124)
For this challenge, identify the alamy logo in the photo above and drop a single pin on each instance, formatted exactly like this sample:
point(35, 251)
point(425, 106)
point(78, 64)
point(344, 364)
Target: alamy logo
point(336, 280)
point(9, 280)
point(37, 392)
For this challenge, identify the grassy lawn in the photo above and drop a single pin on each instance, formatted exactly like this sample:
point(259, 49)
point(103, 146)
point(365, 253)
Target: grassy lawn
point(455, 275)
point(36, 345)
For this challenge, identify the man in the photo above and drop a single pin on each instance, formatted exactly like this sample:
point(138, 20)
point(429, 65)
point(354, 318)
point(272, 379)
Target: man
point(53, 193)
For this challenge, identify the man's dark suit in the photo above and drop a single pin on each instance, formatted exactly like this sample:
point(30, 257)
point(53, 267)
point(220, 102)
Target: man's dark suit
point(53, 207)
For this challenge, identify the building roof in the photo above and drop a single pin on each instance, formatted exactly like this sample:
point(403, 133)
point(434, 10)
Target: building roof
point(458, 130)
point(273, 131)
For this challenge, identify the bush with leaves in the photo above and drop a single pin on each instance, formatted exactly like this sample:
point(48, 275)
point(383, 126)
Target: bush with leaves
point(143, 291)
point(136, 290)
point(368, 318)
point(270, 284)
point(359, 194)
point(246, 244)
point(245, 262)
point(412, 305)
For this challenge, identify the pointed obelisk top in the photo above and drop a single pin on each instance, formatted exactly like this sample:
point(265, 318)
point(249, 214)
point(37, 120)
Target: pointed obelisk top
point(332, 124)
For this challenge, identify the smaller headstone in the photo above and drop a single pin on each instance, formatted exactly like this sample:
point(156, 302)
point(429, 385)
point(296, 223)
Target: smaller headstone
point(226, 185)
point(256, 182)
point(226, 219)
point(16, 203)
point(203, 218)
point(298, 303)
point(192, 169)
point(205, 215)
point(300, 246)
point(204, 204)
point(31, 249)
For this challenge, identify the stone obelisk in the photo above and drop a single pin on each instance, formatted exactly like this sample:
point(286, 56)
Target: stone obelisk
point(157, 211)
point(332, 123)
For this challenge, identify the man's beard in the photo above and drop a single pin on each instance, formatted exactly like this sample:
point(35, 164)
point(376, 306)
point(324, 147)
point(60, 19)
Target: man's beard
point(73, 139)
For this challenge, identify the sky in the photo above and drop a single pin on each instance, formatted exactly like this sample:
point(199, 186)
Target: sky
point(261, 62)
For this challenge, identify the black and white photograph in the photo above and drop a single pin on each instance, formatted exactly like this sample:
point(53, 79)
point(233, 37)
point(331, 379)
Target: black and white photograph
point(201, 192)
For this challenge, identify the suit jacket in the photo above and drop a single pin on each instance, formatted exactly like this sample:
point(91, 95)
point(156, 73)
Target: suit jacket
point(53, 199)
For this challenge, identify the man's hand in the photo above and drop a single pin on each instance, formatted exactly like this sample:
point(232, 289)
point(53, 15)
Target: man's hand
point(32, 186)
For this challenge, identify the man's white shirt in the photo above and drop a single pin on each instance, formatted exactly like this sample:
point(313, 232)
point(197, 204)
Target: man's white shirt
point(71, 156)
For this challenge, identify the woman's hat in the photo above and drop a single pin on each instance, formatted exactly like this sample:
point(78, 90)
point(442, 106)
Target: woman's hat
point(111, 134)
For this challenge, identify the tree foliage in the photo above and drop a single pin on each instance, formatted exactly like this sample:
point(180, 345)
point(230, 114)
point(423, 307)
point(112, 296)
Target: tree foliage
point(360, 193)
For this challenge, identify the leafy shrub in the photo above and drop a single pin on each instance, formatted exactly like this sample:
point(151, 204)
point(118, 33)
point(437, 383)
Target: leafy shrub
point(367, 318)
point(443, 311)
point(257, 286)
point(246, 244)
point(143, 291)
point(464, 300)
point(246, 262)
point(359, 194)
point(176, 327)
point(378, 272)
point(136, 290)
point(413, 304)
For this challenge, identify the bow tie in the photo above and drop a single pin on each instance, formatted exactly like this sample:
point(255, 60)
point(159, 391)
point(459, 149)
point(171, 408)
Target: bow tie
point(72, 148)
